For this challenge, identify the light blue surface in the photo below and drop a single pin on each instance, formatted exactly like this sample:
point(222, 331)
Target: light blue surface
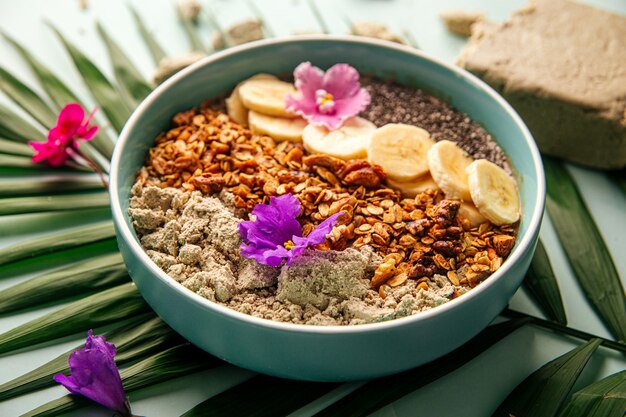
point(269, 347)
point(474, 390)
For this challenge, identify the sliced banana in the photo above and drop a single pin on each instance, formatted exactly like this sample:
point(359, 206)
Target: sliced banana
point(447, 163)
point(493, 192)
point(401, 150)
point(415, 186)
point(267, 96)
point(234, 106)
point(471, 213)
point(279, 128)
point(350, 141)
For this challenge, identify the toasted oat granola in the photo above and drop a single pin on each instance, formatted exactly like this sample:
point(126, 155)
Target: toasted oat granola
point(418, 238)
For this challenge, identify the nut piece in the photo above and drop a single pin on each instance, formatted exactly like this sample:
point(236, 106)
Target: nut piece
point(503, 244)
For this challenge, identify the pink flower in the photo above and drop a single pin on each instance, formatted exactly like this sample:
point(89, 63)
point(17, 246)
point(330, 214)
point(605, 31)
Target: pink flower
point(327, 98)
point(71, 126)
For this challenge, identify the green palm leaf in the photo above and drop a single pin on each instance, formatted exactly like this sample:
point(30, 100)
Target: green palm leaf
point(52, 85)
point(28, 223)
point(545, 390)
point(94, 274)
point(604, 398)
point(15, 161)
point(260, 394)
point(136, 341)
point(107, 96)
point(172, 363)
point(48, 183)
point(109, 306)
point(156, 52)
point(19, 205)
point(192, 34)
point(26, 98)
point(15, 148)
point(43, 262)
point(60, 94)
point(585, 248)
point(16, 128)
point(541, 282)
point(379, 392)
point(64, 239)
point(128, 77)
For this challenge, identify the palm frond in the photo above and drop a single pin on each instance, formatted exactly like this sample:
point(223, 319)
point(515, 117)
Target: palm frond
point(106, 307)
point(89, 276)
point(59, 93)
point(15, 148)
point(20, 205)
point(172, 363)
point(135, 341)
point(107, 96)
point(43, 262)
point(16, 225)
point(63, 239)
point(545, 390)
point(26, 98)
point(156, 51)
point(192, 34)
point(541, 282)
point(586, 251)
point(128, 77)
point(14, 127)
point(41, 184)
point(377, 393)
point(604, 398)
point(260, 394)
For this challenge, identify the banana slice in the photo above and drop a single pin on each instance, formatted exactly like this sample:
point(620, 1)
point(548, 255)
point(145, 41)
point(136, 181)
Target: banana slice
point(350, 141)
point(234, 106)
point(447, 163)
point(414, 187)
point(279, 128)
point(494, 192)
point(267, 96)
point(471, 213)
point(401, 150)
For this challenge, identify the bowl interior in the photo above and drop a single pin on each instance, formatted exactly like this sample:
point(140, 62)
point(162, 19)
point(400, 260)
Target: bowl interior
point(221, 72)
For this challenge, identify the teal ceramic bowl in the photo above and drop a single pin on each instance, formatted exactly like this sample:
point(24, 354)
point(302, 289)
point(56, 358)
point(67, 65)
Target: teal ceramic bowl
point(334, 353)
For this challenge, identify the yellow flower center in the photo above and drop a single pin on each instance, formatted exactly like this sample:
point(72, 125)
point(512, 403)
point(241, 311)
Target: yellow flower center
point(289, 245)
point(328, 98)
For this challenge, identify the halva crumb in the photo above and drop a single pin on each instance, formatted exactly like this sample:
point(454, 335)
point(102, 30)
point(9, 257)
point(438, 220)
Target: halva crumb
point(195, 240)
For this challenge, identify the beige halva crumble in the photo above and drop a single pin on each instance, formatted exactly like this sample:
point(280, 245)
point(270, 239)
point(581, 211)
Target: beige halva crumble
point(195, 240)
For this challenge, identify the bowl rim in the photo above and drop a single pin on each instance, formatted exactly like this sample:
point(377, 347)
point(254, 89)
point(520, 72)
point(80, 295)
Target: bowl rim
point(133, 245)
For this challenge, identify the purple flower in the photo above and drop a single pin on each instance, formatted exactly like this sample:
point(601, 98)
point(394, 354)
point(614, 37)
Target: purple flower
point(329, 98)
point(95, 376)
point(62, 138)
point(276, 235)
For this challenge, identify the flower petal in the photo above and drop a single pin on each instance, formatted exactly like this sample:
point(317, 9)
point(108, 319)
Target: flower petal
point(351, 106)
point(71, 117)
point(342, 81)
point(308, 79)
point(53, 153)
point(95, 376)
point(88, 134)
point(318, 235)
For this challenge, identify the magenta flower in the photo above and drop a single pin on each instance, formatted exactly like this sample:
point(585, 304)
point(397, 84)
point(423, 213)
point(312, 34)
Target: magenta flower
point(276, 235)
point(327, 98)
point(62, 138)
point(95, 376)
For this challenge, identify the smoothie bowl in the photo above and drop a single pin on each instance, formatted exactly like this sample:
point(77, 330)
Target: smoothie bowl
point(296, 207)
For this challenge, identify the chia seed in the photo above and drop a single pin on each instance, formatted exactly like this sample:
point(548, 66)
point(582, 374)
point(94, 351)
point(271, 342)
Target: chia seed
point(396, 103)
